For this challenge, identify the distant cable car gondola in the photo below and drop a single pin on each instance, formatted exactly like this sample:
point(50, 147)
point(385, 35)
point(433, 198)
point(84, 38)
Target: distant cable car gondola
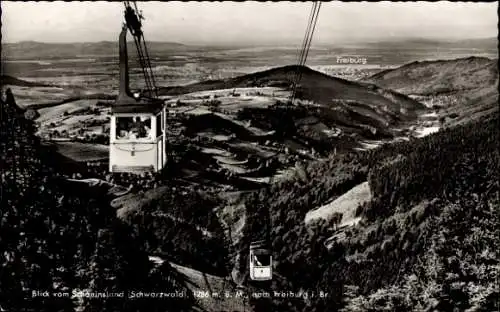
point(260, 257)
point(261, 261)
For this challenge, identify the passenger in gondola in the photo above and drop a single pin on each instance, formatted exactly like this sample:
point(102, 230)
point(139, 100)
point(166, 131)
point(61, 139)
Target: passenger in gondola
point(256, 261)
point(149, 132)
point(122, 129)
point(138, 129)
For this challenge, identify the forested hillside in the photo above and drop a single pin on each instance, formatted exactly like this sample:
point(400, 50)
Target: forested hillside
point(442, 76)
point(428, 239)
point(54, 242)
point(461, 90)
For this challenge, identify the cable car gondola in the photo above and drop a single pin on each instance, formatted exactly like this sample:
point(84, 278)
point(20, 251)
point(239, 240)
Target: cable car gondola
point(261, 261)
point(137, 131)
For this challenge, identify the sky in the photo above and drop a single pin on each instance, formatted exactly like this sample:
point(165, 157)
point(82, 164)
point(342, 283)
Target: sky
point(248, 22)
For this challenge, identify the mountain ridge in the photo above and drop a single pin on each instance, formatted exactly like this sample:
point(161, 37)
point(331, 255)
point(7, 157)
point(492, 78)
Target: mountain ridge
point(40, 50)
point(426, 77)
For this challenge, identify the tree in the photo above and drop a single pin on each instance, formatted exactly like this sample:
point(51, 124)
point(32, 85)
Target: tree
point(336, 219)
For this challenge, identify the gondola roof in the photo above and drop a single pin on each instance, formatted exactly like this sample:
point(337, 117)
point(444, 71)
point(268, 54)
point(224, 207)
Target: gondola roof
point(142, 106)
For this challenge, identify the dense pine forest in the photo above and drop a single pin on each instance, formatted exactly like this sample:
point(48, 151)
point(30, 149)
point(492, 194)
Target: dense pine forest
point(53, 242)
point(428, 240)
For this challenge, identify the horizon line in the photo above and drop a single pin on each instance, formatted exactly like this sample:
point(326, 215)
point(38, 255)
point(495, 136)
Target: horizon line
point(348, 41)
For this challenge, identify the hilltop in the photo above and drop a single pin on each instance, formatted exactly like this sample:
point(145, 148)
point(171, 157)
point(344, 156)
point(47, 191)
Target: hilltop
point(314, 85)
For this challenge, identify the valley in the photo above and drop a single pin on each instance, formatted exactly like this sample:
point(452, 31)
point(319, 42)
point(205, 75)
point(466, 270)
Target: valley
point(236, 126)
point(342, 178)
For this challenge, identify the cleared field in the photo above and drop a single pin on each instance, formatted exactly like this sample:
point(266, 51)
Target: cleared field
point(244, 91)
point(216, 137)
point(369, 144)
point(345, 204)
point(254, 149)
point(216, 151)
point(49, 113)
point(82, 152)
point(258, 180)
point(28, 96)
point(235, 104)
point(426, 131)
point(234, 168)
point(230, 160)
point(190, 110)
point(254, 130)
